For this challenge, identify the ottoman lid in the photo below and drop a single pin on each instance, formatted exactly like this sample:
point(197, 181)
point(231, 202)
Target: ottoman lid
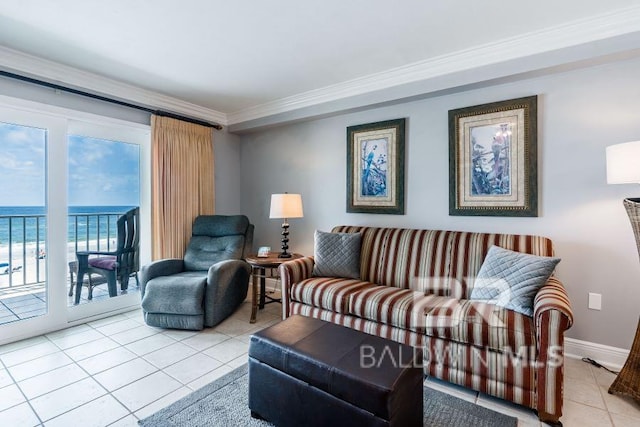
point(370, 372)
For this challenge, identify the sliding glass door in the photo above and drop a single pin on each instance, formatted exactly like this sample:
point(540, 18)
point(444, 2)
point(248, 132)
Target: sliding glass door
point(29, 153)
point(65, 178)
point(23, 222)
point(108, 170)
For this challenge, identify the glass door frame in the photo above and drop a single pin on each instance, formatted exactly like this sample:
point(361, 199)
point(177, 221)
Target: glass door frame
point(140, 135)
point(58, 121)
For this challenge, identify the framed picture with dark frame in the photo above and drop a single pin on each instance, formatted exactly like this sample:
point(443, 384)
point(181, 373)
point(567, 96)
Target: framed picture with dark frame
point(375, 167)
point(493, 167)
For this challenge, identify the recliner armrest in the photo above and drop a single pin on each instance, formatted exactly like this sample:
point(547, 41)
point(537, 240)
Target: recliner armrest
point(228, 267)
point(227, 286)
point(163, 267)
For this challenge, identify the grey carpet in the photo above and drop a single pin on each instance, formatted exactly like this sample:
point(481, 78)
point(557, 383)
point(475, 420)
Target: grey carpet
point(223, 403)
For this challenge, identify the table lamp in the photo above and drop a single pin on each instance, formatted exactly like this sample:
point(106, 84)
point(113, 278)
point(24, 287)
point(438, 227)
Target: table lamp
point(285, 206)
point(623, 167)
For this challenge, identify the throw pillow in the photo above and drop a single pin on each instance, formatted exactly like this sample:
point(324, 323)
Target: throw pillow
point(337, 255)
point(512, 279)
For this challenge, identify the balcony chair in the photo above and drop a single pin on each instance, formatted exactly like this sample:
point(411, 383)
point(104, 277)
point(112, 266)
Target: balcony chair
point(208, 285)
point(115, 265)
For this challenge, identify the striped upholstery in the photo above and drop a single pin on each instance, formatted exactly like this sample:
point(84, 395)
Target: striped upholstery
point(405, 272)
point(404, 258)
point(402, 308)
point(293, 272)
point(552, 324)
point(370, 327)
point(553, 297)
point(412, 254)
point(480, 324)
point(552, 314)
point(329, 293)
point(482, 369)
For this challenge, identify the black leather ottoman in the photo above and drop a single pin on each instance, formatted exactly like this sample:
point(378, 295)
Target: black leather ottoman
point(305, 371)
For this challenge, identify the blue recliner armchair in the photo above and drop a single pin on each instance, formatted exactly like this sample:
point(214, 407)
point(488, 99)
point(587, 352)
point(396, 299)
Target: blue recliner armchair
point(208, 285)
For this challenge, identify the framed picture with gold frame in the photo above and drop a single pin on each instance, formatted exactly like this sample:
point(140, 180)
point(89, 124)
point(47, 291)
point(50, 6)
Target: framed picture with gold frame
point(493, 168)
point(375, 167)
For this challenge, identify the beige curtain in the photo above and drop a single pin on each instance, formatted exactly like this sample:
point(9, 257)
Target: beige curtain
point(182, 182)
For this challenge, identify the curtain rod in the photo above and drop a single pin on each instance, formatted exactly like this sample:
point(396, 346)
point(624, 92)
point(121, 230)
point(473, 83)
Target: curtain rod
point(110, 100)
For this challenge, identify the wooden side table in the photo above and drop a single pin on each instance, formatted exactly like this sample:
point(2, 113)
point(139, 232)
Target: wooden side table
point(259, 266)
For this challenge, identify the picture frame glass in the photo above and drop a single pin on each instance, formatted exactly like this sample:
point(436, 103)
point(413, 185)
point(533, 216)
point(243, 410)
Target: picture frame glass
point(372, 168)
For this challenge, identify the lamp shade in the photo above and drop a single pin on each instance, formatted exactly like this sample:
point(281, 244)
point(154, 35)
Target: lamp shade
point(286, 206)
point(623, 163)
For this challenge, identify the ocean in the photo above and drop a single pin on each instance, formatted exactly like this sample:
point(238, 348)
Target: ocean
point(28, 223)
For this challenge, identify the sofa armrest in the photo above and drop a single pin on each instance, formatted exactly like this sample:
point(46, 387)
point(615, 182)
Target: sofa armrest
point(163, 267)
point(552, 316)
point(553, 296)
point(292, 272)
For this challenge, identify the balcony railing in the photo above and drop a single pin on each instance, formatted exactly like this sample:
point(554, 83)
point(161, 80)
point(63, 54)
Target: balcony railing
point(23, 243)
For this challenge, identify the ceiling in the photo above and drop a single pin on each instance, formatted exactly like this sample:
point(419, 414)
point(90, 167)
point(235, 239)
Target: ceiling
point(243, 60)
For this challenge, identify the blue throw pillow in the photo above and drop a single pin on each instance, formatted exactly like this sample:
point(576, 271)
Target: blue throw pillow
point(337, 255)
point(512, 279)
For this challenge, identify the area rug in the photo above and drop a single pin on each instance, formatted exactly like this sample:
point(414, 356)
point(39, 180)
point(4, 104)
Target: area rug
point(223, 403)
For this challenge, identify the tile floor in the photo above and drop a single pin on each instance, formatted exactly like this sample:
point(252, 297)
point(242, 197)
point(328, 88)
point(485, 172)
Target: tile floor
point(114, 371)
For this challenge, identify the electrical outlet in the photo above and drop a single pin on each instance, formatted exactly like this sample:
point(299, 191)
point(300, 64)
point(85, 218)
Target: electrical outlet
point(595, 301)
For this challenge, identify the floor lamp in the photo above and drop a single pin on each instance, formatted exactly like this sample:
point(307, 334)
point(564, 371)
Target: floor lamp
point(623, 167)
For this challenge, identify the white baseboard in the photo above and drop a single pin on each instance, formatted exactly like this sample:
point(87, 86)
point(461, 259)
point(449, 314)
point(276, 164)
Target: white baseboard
point(611, 357)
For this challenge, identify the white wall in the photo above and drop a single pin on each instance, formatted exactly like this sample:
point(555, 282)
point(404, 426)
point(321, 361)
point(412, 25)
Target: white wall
point(580, 113)
point(226, 152)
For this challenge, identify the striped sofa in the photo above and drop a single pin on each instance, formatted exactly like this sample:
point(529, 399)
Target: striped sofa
point(414, 287)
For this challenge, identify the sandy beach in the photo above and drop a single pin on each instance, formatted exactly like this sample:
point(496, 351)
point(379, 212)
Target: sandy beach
point(29, 267)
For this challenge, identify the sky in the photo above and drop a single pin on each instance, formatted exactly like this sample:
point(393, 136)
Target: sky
point(101, 172)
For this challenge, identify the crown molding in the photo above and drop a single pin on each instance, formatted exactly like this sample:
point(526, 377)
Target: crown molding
point(604, 27)
point(42, 69)
point(575, 33)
